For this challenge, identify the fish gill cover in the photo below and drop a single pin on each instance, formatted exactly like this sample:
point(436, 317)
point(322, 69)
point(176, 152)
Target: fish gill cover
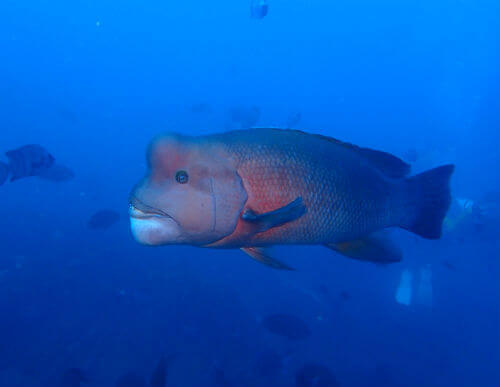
point(394, 252)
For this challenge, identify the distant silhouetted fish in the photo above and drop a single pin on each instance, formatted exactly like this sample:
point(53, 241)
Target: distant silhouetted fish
point(103, 219)
point(28, 160)
point(450, 266)
point(73, 377)
point(287, 325)
point(130, 379)
point(33, 160)
point(315, 375)
point(259, 9)
point(345, 295)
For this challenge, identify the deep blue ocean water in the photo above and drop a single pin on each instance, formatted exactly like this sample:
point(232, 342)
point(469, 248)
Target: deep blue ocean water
point(94, 81)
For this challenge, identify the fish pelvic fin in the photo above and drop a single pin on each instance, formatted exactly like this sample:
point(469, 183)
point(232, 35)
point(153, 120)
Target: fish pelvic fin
point(376, 248)
point(278, 217)
point(427, 201)
point(262, 255)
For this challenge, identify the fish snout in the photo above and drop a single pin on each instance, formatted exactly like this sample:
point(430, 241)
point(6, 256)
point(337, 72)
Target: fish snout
point(152, 226)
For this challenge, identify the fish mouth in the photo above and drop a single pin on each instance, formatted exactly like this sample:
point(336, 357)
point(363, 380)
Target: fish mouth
point(151, 226)
point(140, 210)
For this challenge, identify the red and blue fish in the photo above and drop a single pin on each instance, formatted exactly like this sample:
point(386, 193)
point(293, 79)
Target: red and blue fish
point(251, 189)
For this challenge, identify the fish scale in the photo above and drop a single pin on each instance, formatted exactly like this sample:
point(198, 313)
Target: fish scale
point(276, 171)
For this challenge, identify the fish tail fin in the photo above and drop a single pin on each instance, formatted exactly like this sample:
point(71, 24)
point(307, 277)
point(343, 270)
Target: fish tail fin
point(4, 172)
point(427, 201)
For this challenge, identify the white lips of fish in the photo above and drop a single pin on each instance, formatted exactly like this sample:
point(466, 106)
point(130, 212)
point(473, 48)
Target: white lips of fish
point(150, 229)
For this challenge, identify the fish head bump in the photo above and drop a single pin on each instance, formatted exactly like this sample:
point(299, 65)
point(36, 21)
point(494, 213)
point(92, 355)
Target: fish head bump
point(192, 193)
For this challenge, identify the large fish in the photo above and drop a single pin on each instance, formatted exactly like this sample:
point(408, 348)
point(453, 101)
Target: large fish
point(254, 188)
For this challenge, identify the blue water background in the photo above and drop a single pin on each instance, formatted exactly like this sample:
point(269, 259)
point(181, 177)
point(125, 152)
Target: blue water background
point(93, 81)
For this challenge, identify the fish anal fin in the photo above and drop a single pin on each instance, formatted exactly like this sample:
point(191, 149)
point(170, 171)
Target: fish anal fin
point(374, 248)
point(278, 217)
point(261, 255)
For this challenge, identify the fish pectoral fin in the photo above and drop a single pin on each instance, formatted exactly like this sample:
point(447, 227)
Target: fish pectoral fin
point(261, 255)
point(374, 248)
point(278, 217)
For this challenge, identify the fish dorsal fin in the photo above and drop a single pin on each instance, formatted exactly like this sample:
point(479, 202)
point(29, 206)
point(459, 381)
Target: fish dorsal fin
point(386, 163)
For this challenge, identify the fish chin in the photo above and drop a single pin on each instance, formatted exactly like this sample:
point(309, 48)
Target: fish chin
point(155, 230)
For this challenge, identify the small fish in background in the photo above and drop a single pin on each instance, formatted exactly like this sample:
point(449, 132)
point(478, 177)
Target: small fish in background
point(411, 155)
point(315, 375)
point(287, 325)
point(259, 9)
point(33, 160)
point(28, 160)
point(131, 379)
point(448, 265)
point(293, 120)
point(244, 117)
point(73, 377)
point(103, 219)
point(346, 296)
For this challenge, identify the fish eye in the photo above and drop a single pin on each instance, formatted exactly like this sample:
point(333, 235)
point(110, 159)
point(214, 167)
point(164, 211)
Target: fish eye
point(181, 177)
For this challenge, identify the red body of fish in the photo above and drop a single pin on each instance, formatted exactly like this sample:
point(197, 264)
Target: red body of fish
point(270, 186)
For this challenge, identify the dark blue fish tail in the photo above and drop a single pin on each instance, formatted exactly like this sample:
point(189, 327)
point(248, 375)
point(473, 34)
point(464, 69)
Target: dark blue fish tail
point(4, 172)
point(428, 199)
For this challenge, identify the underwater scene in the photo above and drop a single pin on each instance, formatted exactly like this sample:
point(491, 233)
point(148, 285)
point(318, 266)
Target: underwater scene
point(250, 193)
